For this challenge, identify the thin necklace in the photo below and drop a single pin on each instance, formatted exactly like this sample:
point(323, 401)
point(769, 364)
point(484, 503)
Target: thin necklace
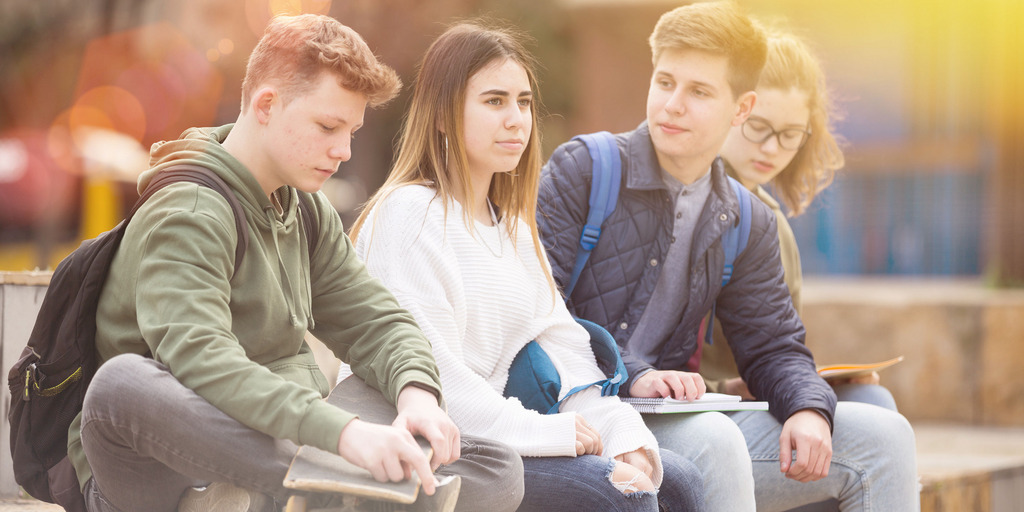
point(494, 222)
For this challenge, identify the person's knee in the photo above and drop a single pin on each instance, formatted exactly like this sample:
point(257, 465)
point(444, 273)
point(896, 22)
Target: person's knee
point(871, 420)
point(708, 435)
point(491, 471)
point(865, 432)
point(113, 380)
point(629, 479)
point(512, 465)
point(681, 472)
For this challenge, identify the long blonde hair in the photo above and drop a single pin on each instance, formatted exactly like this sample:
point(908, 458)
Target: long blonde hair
point(791, 65)
point(427, 156)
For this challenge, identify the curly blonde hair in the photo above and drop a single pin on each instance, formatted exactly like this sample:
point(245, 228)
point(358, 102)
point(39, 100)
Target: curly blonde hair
point(790, 65)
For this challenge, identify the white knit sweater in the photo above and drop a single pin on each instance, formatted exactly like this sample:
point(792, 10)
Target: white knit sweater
point(480, 298)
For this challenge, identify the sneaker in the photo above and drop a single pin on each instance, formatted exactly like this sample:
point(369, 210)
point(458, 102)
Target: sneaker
point(222, 497)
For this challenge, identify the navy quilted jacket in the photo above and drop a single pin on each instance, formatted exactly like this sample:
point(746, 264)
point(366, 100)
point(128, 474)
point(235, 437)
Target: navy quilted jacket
point(755, 308)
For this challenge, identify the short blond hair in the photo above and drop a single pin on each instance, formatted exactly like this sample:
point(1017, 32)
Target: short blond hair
point(791, 65)
point(295, 50)
point(719, 28)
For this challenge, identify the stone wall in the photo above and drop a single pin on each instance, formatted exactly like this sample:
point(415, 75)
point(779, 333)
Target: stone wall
point(963, 343)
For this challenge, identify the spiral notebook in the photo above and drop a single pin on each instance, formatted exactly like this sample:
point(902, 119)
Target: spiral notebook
point(708, 402)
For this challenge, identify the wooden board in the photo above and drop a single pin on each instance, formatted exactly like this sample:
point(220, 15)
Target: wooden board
point(316, 470)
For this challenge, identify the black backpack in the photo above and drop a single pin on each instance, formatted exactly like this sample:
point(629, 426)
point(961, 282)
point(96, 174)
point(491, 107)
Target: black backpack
point(49, 381)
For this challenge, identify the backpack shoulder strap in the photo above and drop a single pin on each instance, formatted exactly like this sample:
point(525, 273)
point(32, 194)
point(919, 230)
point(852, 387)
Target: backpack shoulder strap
point(735, 239)
point(604, 192)
point(207, 178)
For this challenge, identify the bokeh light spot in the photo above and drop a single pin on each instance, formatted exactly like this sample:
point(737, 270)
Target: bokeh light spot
point(212, 55)
point(226, 46)
point(60, 146)
point(118, 110)
point(13, 160)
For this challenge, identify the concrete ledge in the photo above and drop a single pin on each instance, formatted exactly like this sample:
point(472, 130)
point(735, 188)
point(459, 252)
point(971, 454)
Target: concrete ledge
point(31, 278)
point(970, 468)
point(962, 341)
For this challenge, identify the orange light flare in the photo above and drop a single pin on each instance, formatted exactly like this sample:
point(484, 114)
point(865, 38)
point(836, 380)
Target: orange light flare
point(172, 81)
point(259, 12)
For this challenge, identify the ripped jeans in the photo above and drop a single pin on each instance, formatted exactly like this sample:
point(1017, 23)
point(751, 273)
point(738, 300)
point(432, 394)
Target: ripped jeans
point(582, 483)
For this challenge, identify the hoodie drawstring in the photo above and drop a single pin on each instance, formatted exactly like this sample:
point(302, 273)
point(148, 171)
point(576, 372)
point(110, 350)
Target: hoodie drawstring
point(288, 290)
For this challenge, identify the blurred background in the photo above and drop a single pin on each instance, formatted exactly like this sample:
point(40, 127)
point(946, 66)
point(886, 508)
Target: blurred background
point(930, 91)
point(917, 249)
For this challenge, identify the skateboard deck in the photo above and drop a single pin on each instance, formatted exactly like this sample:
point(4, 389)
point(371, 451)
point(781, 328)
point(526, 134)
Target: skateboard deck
point(315, 470)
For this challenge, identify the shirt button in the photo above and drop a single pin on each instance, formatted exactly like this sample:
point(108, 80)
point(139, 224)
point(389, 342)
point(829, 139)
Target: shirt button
point(679, 215)
point(723, 217)
point(673, 240)
point(623, 326)
point(654, 262)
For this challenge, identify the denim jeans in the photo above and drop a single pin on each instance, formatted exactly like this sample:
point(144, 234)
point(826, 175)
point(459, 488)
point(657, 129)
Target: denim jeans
point(873, 394)
point(864, 393)
point(873, 461)
point(715, 444)
point(582, 483)
point(148, 439)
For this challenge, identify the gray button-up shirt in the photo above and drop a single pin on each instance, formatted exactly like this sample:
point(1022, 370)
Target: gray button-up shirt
point(672, 291)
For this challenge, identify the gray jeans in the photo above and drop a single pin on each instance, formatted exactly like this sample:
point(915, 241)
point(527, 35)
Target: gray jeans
point(148, 439)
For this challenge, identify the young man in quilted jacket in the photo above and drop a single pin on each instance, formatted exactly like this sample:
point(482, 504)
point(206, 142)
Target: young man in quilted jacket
point(212, 420)
point(657, 270)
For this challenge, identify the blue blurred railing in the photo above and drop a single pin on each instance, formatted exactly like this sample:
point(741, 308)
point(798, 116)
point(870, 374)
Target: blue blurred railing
point(910, 223)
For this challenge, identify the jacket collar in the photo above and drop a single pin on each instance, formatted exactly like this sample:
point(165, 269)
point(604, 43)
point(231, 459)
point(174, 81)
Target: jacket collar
point(643, 172)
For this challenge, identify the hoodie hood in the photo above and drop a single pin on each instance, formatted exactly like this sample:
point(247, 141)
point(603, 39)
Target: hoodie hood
point(203, 147)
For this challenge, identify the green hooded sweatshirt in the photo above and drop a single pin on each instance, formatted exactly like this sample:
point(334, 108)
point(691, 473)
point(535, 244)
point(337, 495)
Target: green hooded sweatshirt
point(235, 335)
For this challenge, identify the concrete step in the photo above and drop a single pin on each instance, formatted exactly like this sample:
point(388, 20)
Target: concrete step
point(962, 469)
point(970, 469)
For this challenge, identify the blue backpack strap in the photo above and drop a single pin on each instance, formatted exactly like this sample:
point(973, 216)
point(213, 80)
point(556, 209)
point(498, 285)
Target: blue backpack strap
point(604, 193)
point(606, 351)
point(734, 241)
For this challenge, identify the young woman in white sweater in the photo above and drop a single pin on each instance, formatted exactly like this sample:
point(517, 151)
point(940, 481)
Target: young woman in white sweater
point(452, 233)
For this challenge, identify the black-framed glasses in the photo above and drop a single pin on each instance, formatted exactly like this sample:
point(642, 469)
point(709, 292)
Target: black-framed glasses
point(758, 131)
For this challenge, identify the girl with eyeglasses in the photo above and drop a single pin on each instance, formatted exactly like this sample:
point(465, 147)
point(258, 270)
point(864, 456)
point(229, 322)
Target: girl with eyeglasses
point(786, 143)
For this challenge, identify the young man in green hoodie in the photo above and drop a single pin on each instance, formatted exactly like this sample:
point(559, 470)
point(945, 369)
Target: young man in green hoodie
point(211, 421)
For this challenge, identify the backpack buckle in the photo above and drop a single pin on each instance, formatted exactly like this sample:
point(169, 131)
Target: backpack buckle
point(30, 381)
point(590, 236)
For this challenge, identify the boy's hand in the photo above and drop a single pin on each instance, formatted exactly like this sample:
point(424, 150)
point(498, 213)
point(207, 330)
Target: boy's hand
point(669, 383)
point(387, 452)
point(807, 433)
point(419, 414)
